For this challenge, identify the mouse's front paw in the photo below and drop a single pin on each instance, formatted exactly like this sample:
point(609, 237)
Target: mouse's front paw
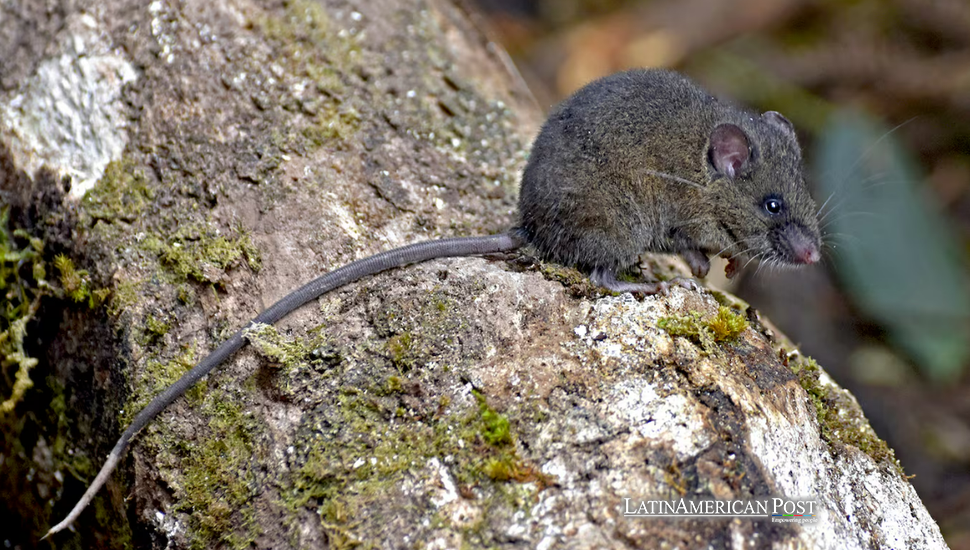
point(733, 267)
point(698, 262)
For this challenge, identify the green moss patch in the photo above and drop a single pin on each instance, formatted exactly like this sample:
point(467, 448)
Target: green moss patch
point(156, 377)
point(199, 254)
point(23, 284)
point(840, 418)
point(496, 428)
point(577, 284)
point(287, 352)
point(123, 193)
point(76, 283)
point(310, 48)
point(707, 332)
point(219, 481)
point(419, 329)
point(354, 465)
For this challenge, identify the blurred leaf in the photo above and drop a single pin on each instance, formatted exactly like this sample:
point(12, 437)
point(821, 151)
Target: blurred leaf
point(893, 250)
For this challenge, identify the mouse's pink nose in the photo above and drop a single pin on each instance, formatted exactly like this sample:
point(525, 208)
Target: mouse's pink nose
point(806, 253)
point(802, 246)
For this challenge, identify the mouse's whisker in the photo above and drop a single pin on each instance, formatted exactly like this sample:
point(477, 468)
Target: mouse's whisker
point(869, 151)
point(759, 256)
point(824, 224)
point(743, 252)
point(832, 250)
point(876, 180)
point(729, 246)
point(837, 207)
point(725, 249)
point(822, 208)
point(842, 239)
point(881, 139)
point(674, 178)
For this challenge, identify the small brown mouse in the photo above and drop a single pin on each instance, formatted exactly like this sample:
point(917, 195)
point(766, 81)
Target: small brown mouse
point(640, 161)
point(646, 161)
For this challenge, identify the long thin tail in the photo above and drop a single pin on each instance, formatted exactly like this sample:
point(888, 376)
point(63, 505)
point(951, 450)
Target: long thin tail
point(414, 253)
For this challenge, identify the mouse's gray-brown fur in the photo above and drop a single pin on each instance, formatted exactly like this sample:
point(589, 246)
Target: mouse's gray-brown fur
point(646, 161)
point(641, 161)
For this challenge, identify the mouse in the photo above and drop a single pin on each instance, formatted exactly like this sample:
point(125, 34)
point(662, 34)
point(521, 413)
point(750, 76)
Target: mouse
point(646, 160)
point(641, 161)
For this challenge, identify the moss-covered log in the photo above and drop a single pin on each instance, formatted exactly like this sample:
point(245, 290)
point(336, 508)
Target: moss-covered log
point(171, 168)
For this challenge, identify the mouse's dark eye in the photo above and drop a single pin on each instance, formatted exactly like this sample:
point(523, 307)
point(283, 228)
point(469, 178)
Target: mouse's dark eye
point(773, 205)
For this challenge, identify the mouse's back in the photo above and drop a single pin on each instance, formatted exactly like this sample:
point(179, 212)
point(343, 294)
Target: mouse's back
point(581, 200)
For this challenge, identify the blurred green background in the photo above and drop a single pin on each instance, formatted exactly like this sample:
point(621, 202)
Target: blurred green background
point(880, 93)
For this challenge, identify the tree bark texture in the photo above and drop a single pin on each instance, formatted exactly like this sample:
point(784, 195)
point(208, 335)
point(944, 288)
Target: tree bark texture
point(201, 159)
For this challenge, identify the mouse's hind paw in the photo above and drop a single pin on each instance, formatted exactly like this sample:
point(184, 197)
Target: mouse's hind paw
point(684, 282)
point(605, 278)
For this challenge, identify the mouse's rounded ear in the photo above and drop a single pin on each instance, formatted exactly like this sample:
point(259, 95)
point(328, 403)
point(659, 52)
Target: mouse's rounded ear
point(779, 121)
point(728, 150)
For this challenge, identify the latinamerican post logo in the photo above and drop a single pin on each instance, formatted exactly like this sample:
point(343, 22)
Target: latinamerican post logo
point(778, 509)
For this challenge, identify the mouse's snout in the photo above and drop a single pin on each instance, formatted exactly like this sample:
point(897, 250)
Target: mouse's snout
point(798, 245)
point(806, 254)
